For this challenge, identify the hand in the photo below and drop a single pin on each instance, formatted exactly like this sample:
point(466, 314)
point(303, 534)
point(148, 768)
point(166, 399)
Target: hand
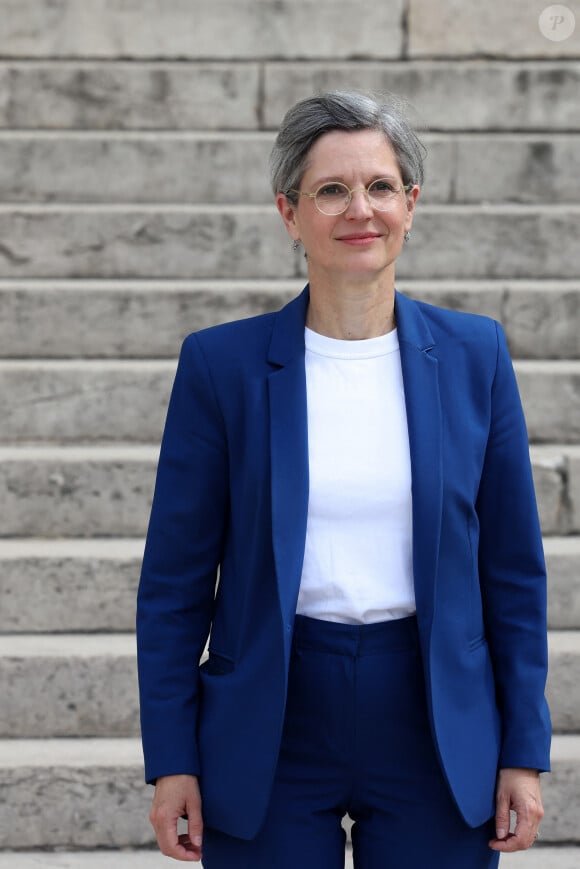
point(519, 790)
point(177, 795)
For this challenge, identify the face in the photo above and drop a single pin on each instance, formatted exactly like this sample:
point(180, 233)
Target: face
point(362, 242)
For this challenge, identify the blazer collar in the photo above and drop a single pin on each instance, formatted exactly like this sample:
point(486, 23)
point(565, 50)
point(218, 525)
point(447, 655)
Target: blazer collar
point(287, 340)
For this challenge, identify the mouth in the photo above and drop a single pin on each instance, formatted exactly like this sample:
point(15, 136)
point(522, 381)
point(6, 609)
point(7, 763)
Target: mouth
point(359, 238)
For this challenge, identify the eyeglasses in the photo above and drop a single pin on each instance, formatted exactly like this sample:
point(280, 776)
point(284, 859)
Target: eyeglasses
point(334, 197)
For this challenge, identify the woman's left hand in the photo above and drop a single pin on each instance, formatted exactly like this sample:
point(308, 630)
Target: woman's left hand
point(518, 790)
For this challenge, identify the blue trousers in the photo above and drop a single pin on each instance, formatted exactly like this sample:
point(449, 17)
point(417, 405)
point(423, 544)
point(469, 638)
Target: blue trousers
point(357, 741)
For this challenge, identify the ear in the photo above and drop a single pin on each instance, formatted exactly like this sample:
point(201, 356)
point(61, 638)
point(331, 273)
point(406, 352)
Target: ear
point(411, 197)
point(288, 214)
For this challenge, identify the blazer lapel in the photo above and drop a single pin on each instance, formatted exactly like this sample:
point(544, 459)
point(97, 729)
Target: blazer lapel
point(421, 384)
point(289, 453)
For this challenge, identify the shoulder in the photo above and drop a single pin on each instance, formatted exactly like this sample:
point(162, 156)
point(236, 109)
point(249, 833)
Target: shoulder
point(459, 325)
point(457, 335)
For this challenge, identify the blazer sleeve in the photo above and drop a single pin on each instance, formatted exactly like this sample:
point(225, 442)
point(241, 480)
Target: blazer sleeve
point(178, 578)
point(513, 576)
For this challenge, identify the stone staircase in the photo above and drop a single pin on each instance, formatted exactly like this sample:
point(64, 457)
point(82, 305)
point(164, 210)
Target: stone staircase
point(135, 208)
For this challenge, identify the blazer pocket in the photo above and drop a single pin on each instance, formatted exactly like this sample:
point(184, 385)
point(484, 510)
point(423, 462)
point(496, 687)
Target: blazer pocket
point(217, 665)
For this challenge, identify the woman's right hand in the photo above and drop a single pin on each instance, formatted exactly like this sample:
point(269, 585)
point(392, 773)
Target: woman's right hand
point(177, 795)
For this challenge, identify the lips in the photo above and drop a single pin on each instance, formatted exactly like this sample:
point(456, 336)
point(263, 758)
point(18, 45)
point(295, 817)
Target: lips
point(359, 237)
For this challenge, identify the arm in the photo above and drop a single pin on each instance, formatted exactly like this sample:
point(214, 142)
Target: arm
point(182, 554)
point(513, 583)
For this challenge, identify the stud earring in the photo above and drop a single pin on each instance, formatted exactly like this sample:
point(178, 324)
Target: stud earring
point(407, 236)
point(295, 244)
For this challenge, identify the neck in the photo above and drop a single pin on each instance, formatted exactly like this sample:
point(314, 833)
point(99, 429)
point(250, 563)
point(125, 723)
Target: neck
point(350, 310)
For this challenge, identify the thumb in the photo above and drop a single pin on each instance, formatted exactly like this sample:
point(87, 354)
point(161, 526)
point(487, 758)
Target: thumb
point(502, 816)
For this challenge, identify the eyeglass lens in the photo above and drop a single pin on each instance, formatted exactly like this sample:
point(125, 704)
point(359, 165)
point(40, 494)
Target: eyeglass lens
point(334, 198)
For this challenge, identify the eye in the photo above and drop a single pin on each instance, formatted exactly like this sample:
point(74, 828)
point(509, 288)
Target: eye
point(332, 190)
point(382, 186)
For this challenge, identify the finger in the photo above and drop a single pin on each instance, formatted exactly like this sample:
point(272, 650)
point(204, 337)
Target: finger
point(502, 816)
point(168, 840)
point(511, 844)
point(195, 827)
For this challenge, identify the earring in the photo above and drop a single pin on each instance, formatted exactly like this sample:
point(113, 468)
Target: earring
point(407, 236)
point(295, 245)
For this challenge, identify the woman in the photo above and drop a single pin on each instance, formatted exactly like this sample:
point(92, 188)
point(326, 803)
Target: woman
point(357, 467)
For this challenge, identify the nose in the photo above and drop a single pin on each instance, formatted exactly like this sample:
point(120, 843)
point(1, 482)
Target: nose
point(359, 206)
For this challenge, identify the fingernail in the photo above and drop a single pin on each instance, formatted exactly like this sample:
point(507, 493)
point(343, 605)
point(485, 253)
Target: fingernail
point(197, 841)
point(501, 834)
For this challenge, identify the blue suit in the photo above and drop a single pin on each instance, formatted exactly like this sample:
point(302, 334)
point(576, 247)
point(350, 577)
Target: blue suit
point(232, 492)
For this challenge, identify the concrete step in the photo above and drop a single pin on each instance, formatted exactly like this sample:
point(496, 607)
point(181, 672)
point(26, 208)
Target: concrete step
point(563, 689)
point(126, 400)
point(78, 793)
point(476, 95)
point(539, 857)
point(106, 491)
point(74, 793)
point(70, 585)
point(563, 564)
point(78, 685)
point(92, 400)
point(135, 29)
point(507, 30)
point(232, 167)
point(134, 318)
point(76, 492)
point(98, 581)
point(447, 94)
point(205, 241)
point(85, 685)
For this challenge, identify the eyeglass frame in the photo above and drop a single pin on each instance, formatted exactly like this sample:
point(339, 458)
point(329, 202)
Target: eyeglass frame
point(403, 188)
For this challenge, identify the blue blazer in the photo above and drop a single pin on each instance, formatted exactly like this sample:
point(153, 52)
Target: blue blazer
point(232, 493)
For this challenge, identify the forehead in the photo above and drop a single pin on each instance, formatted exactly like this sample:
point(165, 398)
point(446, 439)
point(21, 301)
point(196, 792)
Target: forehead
point(344, 154)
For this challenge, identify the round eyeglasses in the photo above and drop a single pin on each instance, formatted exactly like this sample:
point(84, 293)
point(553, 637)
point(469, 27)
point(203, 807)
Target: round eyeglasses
point(334, 197)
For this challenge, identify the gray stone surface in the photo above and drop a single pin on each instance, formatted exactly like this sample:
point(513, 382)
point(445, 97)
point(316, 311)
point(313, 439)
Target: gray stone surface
point(110, 400)
point(73, 793)
point(76, 493)
point(233, 167)
point(537, 858)
point(89, 793)
point(454, 28)
point(563, 565)
point(554, 480)
point(244, 29)
point(107, 491)
point(560, 792)
point(513, 241)
point(543, 168)
point(170, 242)
point(86, 686)
point(100, 319)
point(88, 401)
point(563, 688)
point(71, 585)
point(128, 96)
point(90, 585)
point(134, 318)
point(476, 95)
point(136, 167)
point(550, 394)
point(78, 686)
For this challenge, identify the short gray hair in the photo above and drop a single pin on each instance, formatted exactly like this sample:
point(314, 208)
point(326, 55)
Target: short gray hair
point(309, 119)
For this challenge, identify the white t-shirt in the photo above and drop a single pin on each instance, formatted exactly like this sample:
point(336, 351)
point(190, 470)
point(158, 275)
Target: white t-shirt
point(358, 556)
